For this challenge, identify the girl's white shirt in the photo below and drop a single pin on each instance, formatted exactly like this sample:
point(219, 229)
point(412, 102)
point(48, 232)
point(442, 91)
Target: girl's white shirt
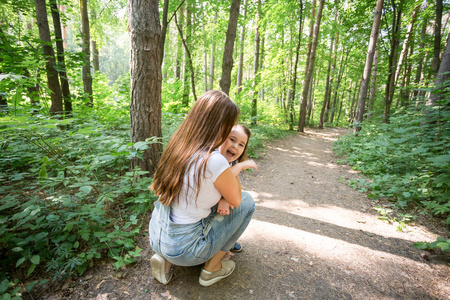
point(187, 210)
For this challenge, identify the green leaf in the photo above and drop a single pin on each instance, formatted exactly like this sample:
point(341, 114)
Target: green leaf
point(30, 286)
point(86, 189)
point(99, 234)
point(35, 259)
point(407, 194)
point(20, 261)
point(31, 269)
point(17, 249)
point(4, 285)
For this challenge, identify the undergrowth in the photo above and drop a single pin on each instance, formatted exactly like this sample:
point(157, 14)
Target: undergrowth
point(68, 197)
point(407, 161)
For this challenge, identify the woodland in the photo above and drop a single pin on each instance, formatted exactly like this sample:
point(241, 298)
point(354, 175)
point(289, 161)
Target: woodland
point(91, 90)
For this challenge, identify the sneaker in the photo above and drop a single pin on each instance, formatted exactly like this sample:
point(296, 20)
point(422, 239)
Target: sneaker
point(236, 248)
point(158, 265)
point(208, 278)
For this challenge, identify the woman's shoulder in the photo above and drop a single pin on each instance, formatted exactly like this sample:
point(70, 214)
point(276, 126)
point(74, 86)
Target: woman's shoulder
point(217, 161)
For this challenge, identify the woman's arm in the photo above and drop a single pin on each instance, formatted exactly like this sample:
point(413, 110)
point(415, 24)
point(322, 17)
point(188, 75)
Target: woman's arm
point(229, 187)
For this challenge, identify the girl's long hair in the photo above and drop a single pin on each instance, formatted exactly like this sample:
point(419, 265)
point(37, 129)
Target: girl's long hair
point(204, 129)
point(247, 131)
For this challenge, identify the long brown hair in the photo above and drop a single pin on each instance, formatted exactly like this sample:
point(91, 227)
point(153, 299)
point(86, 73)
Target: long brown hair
point(204, 129)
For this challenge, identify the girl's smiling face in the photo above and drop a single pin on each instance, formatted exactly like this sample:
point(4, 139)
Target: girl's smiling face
point(234, 146)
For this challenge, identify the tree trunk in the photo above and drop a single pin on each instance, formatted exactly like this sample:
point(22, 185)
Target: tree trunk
point(189, 63)
point(406, 42)
point(60, 56)
point(145, 71)
point(205, 62)
point(227, 61)
point(212, 60)
point(297, 52)
point(309, 70)
point(86, 71)
point(327, 86)
point(241, 54)
point(254, 111)
point(442, 80)
point(437, 38)
point(422, 58)
point(95, 57)
point(342, 64)
point(395, 40)
point(368, 66)
point(49, 54)
point(373, 87)
point(163, 30)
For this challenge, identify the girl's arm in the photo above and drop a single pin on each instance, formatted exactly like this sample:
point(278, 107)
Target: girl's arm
point(246, 164)
point(229, 187)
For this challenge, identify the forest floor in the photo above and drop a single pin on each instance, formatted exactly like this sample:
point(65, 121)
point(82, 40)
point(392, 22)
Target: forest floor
point(312, 237)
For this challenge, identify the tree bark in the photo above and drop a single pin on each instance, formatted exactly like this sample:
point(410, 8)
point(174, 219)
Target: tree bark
point(227, 61)
point(60, 56)
point(163, 30)
point(309, 70)
point(241, 54)
point(212, 60)
point(437, 38)
point(395, 40)
point(326, 98)
point(422, 58)
point(145, 71)
point(294, 81)
point(254, 111)
point(406, 42)
point(442, 80)
point(373, 87)
point(368, 66)
point(49, 54)
point(188, 61)
point(86, 70)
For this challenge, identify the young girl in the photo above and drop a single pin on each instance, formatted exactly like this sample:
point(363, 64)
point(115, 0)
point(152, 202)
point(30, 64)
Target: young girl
point(235, 151)
point(191, 178)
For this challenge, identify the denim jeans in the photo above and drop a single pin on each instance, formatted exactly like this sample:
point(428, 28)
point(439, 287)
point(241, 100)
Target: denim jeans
point(193, 244)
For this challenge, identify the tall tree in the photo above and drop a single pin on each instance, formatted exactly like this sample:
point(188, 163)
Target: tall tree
point(297, 52)
point(443, 78)
point(87, 78)
point(309, 69)
point(241, 54)
point(145, 71)
point(395, 41)
point(49, 54)
point(212, 60)
point(61, 61)
point(368, 66)
point(254, 112)
point(437, 38)
point(227, 61)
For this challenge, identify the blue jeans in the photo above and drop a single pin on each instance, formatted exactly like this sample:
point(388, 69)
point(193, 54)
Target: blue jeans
point(193, 244)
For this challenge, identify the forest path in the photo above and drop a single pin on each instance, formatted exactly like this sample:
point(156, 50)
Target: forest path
point(311, 237)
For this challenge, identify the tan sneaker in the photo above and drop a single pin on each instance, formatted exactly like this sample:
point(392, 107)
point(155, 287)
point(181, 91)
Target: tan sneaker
point(158, 265)
point(208, 278)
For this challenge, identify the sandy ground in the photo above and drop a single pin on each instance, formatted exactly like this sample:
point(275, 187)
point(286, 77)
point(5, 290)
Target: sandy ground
point(312, 237)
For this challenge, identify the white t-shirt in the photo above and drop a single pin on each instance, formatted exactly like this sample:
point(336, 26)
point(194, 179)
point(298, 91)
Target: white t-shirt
point(187, 210)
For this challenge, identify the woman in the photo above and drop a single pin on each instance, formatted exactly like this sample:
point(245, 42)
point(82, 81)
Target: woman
point(191, 178)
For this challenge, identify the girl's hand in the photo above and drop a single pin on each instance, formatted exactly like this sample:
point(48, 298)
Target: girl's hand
point(223, 208)
point(248, 164)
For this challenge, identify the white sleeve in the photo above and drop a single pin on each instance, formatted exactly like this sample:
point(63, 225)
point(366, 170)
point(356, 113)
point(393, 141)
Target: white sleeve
point(217, 163)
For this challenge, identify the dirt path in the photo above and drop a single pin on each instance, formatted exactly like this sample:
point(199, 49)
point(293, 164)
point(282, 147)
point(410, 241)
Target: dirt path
point(312, 237)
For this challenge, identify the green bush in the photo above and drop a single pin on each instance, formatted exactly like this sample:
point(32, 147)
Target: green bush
point(407, 161)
